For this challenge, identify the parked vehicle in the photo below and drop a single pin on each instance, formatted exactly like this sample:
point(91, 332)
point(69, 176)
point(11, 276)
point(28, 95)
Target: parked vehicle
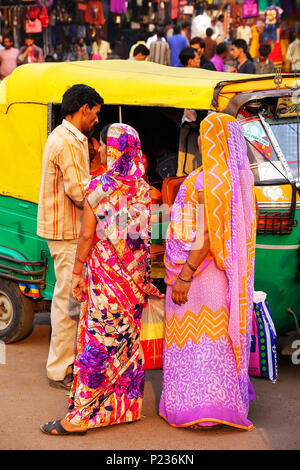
point(151, 98)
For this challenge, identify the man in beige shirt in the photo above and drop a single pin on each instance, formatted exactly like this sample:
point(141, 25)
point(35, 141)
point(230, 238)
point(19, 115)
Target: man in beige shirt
point(65, 172)
point(244, 32)
point(101, 47)
point(293, 54)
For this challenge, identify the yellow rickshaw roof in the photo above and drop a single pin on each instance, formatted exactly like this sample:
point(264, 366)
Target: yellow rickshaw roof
point(118, 82)
point(23, 124)
point(128, 82)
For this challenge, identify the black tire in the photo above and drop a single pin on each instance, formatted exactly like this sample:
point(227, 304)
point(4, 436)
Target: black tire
point(20, 312)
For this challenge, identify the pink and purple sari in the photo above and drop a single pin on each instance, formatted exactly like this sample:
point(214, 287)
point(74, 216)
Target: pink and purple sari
point(108, 383)
point(207, 340)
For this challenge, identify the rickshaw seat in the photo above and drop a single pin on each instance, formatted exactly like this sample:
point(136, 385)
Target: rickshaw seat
point(170, 189)
point(157, 253)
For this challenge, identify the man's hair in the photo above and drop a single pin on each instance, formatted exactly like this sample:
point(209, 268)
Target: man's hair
point(240, 44)
point(160, 32)
point(221, 48)
point(176, 29)
point(141, 49)
point(209, 32)
point(185, 25)
point(141, 35)
point(264, 50)
point(197, 40)
point(29, 36)
point(104, 132)
point(8, 36)
point(221, 17)
point(186, 54)
point(77, 96)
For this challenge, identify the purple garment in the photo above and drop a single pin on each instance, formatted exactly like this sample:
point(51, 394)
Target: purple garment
point(250, 9)
point(205, 381)
point(218, 63)
point(47, 3)
point(118, 6)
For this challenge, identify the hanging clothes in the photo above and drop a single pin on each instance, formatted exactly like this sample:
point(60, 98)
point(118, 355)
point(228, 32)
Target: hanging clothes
point(44, 18)
point(262, 5)
point(288, 7)
point(174, 9)
point(45, 3)
point(272, 22)
point(250, 9)
point(33, 27)
point(94, 13)
point(276, 52)
point(118, 6)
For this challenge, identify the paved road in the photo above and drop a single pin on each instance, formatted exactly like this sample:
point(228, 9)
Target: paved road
point(27, 401)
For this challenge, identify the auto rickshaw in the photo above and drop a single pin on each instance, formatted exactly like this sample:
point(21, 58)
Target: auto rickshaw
point(152, 98)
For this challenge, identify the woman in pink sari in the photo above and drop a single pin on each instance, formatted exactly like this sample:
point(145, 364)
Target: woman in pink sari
point(209, 276)
point(114, 243)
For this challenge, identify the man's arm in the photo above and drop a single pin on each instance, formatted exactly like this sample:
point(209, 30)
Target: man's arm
point(40, 56)
point(23, 55)
point(75, 174)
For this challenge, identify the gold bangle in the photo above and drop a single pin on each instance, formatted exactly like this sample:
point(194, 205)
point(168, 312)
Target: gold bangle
point(193, 268)
point(183, 280)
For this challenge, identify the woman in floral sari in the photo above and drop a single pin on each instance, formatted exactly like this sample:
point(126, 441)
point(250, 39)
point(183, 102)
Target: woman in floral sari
point(115, 245)
point(209, 276)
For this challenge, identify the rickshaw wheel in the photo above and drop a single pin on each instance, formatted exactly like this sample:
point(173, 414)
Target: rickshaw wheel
point(16, 313)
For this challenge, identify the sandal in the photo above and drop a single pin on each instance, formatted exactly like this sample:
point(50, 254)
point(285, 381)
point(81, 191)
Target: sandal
point(204, 428)
point(48, 427)
point(66, 383)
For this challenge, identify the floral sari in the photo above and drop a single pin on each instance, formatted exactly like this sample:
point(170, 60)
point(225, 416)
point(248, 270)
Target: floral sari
point(109, 366)
point(207, 340)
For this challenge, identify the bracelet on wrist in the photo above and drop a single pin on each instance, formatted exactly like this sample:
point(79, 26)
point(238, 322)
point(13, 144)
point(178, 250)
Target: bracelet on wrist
point(76, 274)
point(80, 260)
point(191, 266)
point(183, 280)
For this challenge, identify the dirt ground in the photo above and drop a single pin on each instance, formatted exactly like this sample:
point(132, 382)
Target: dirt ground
point(26, 400)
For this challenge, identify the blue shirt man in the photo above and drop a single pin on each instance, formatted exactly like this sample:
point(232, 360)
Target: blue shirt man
point(176, 43)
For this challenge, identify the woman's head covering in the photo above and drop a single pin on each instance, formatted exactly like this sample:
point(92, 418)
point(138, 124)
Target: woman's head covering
point(121, 201)
point(125, 166)
point(124, 153)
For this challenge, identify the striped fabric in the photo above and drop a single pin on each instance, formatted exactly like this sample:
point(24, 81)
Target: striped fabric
point(207, 339)
point(159, 53)
point(65, 172)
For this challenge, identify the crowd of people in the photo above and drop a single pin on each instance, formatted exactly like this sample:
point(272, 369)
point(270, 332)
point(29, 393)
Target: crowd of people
point(244, 49)
point(101, 251)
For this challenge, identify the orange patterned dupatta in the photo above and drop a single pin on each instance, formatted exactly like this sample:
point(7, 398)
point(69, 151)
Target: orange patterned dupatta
point(230, 211)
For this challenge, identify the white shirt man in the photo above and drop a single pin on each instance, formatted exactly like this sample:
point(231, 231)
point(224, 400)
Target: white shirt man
point(244, 32)
point(293, 54)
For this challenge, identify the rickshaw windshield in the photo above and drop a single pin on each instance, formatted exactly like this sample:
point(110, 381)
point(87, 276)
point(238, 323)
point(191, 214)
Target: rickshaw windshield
point(286, 132)
point(264, 161)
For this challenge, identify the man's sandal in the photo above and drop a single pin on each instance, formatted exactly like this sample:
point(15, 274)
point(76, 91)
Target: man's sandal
point(48, 427)
point(66, 383)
